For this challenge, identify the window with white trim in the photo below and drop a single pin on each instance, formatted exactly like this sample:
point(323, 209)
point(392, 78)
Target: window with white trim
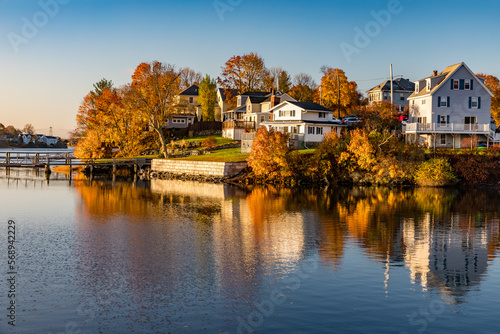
point(442, 119)
point(322, 115)
point(401, 97)
point(467, 85)
point(310, 130)
point(319, 130)
point(456, 84)
point(474, 102)
point(444, 101)
point(443, 139)
point(428, 84)
point(424, 101)
point(191, 99)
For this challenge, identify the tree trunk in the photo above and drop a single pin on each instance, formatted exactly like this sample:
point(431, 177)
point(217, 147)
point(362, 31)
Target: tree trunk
point(163, 142)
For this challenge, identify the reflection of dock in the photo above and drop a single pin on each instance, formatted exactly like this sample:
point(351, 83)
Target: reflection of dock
point(195, 189)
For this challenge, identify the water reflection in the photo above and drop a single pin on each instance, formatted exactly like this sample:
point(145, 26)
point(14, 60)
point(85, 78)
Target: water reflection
point(214, 250)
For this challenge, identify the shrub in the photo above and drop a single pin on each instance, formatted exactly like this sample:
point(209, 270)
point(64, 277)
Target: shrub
point(209, 142)
point(436, 172)
point(470, 142)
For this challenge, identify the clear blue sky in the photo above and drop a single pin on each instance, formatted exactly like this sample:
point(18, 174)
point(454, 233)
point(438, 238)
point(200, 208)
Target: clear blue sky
point(46, 72)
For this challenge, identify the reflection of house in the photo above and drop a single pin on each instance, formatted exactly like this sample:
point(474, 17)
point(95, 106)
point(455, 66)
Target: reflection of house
point(307, 122)
point(450, 259)
point(402, 89)
point(448, 107)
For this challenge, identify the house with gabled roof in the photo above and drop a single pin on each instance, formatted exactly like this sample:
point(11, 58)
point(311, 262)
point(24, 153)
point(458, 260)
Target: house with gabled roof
point(252, 108)
point(307, 122)
point(449, 106)
point(401, 88)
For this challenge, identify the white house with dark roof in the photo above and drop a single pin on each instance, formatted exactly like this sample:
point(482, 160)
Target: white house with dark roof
point(402, 89)
point(449, 106)
point(252, 108)
point(306, 122)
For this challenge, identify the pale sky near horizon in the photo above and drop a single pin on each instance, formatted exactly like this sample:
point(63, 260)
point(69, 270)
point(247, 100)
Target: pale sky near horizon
point(52, 51)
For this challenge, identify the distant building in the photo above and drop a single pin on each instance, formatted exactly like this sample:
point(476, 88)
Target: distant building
point(402, 89)
point(49, 140)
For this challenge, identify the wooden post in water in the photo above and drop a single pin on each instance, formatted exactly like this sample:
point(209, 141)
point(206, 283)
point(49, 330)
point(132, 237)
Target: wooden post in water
point(37, 159)
point(114, 166)
point(47, 169)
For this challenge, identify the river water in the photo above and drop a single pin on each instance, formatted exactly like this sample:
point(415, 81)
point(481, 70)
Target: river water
point(185, 257)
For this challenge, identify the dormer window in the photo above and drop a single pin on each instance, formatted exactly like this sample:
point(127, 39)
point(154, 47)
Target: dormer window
point(428, 84)
point(417, 88)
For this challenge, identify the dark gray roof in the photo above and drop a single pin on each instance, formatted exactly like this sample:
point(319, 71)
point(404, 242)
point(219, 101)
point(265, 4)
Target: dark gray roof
point(191, 91)
point(257, 99)
point(256, 93)
point(310, 106)
point(398, 84)
point(223, 91)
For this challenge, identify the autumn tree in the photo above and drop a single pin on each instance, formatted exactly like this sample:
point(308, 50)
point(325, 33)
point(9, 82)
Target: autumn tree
point(207, 97)
point(29, 129)
point(153, 90)
point(380, 116)
point(337, 91)
point(493, 84)
point(268, 157)
point(189, 77)
point(97, 119)
point(244, 73)
point(10, 130)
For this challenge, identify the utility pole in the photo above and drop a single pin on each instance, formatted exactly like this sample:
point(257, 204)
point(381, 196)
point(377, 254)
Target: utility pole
point(338, 97)
point(392, 88)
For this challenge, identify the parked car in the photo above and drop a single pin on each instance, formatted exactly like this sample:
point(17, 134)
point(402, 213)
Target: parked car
point(351, 120)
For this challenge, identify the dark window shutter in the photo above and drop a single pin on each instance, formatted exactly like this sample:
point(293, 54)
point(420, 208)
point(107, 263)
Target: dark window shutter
point(471, 84)
point(438, 119)
point(448, 101)
point(470, 102)
point(462, 84)
point(448, 119)
point(439, 101)
point(479, 102)
point(452, 84)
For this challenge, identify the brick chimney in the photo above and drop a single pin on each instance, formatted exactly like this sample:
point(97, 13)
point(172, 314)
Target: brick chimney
point(435, 73)
point(275, 100)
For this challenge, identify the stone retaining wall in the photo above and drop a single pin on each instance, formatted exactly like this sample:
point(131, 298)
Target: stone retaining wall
point(207, 168)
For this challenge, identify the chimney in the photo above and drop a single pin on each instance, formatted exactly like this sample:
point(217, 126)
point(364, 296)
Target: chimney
point(435, 73)
point(275, 100)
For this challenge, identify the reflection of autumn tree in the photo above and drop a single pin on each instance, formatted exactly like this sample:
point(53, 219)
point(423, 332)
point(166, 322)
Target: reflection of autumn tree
point(104, 199)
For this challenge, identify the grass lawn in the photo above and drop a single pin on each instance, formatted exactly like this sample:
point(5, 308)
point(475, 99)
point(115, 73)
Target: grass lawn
point(227, 155)
point(220, 139)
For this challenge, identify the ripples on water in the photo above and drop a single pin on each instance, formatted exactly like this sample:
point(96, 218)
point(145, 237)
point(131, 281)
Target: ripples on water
point(184, 257)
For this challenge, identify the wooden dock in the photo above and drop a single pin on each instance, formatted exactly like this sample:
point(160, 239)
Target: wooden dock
point(24, 159)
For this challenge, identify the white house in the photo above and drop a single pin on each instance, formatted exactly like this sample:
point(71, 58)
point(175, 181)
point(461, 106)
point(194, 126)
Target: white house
point(306, 122)
point(252, 108)
point(49, 140)
point(449, 106)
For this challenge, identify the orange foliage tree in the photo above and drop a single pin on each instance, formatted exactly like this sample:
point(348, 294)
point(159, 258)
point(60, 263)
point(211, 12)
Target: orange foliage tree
point(268, 158)
point(243, 73)
point(493, 85)
point(153, 90)
point(335, 81)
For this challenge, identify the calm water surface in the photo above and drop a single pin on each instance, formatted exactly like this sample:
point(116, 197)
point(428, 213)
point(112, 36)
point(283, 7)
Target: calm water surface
point(184, 257)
